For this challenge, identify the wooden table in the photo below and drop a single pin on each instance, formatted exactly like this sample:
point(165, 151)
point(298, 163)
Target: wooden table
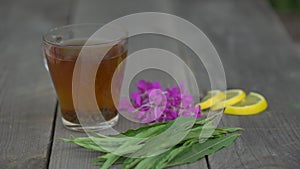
point(255, 49)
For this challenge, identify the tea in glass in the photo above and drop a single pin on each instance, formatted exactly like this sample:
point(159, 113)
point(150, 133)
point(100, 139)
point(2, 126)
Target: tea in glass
point(61, 55)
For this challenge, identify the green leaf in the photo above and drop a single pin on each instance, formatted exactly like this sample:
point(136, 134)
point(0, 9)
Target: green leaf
point(168, 156)
point(110, 160)
point(131, 162)
point(85, 142)
point(134, 132)
point(198, 151)
point(100, 161)
point(230, 129)
point(172, 136)
point(147, 163)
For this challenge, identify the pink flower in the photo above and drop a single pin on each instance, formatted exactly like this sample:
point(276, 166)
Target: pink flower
point(150, 103)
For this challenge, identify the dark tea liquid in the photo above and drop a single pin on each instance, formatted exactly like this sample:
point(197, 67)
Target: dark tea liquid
point(61, 61)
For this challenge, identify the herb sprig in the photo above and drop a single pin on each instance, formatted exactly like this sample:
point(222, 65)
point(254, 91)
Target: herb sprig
point(157, 144)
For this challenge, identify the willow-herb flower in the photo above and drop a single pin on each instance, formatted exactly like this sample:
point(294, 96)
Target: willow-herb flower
point(150, 103)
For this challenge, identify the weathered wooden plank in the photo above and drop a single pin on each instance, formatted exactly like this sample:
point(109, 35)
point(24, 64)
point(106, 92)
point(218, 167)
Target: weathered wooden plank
point(27, 100)
point(258, 56)
point(68, 156)
point(297, 46)
point(65, 155)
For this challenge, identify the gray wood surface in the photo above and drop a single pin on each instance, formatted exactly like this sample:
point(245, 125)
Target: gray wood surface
point(27, 100)
point(259, 56)
point(65, 155)
point(255, 49)
point(105, 11)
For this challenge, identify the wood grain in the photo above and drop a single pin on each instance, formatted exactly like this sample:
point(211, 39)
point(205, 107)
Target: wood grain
point(257, 55)
point(67, 156)
point(27, 100)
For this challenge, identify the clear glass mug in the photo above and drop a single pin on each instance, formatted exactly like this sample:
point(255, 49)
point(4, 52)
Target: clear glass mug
point(61, 47)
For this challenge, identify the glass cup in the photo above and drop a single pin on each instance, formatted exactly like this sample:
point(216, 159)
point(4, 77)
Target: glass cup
point(61, 47)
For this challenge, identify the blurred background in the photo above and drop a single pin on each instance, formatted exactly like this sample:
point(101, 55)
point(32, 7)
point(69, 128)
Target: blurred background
point(289, 13)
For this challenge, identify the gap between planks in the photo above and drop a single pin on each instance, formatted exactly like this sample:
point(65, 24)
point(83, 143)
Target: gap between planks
point(49, 149)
